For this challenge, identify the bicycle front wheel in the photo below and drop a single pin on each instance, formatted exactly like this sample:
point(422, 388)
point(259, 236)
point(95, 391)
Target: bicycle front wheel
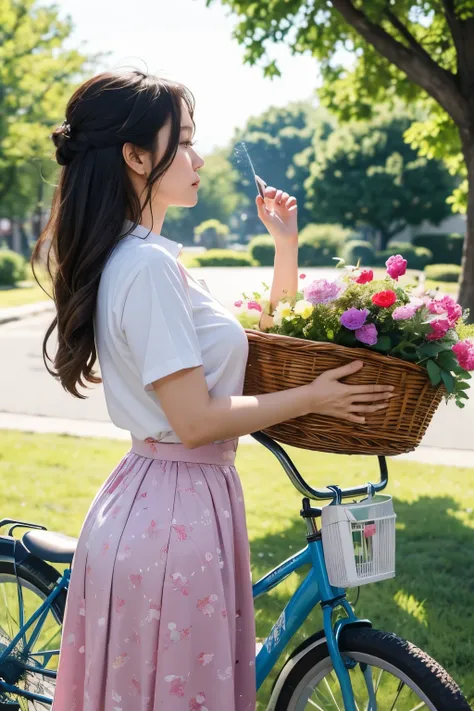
point(403, 678)
point(32, 664)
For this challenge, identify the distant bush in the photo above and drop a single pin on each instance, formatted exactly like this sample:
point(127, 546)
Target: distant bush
point(443, 272)
point(319, 244)
point(12, 268)
point(262, 250)
point(223, 258)
point(417, 257)
point(211, 234)
point(359, 249)
point(446, 246)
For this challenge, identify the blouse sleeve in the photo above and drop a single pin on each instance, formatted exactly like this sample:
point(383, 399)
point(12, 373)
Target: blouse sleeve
point(157, 321)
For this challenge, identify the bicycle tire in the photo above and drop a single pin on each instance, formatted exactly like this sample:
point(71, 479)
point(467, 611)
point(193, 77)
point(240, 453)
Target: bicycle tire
point(423, 671)
point(40, 578)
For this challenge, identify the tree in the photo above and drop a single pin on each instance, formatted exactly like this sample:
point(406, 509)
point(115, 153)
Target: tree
point(366, 175)
point(417, 50)
point(273, 140)
point(212, 234)
point(37, 76)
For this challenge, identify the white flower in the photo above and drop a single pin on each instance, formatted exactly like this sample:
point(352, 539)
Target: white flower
point(303, 308)
point(283, 310)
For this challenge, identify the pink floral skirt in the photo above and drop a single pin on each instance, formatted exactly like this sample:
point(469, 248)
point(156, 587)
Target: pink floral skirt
point(160, 612)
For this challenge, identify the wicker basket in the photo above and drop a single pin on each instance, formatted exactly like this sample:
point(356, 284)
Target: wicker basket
point(279, 362)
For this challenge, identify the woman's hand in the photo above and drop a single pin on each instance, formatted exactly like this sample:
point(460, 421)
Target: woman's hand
point(328, 396)
point(279, 214)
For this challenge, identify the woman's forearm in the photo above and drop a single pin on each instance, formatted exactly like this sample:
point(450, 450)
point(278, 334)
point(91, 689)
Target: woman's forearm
point(285, 273)
point(229, 417)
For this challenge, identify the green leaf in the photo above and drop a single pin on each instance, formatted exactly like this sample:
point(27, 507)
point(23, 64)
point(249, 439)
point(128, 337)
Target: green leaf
point(430, 350)
point(462, 395)
point(460, 404)
point(448, 381)
point(447, 360)
point(383, 344)
point(434, 372)
point(460, 385)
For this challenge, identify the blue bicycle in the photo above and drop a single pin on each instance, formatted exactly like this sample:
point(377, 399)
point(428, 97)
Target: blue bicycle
point(347, 666)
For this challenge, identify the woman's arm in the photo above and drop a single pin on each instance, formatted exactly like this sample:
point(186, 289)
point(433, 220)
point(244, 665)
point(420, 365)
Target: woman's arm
point(198, 419)
point(279, 215)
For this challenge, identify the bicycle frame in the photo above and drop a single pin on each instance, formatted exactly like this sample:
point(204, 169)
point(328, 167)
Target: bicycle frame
point(38, 617)
point(314, 589)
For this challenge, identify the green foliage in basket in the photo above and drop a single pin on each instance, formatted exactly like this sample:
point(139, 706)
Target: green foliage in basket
point(356, 310)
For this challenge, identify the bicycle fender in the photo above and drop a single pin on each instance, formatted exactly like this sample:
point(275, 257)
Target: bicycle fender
point(12, 549)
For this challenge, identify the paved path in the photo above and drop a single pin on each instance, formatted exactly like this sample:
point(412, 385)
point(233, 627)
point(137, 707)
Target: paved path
point(27, 391)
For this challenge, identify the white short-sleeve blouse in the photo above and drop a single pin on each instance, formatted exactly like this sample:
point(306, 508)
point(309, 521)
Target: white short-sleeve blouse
point(153, 319)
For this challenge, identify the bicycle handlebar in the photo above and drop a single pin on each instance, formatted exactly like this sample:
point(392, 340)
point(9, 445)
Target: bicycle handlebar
point(304, 488)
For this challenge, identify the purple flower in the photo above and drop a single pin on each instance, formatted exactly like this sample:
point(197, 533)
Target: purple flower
point(321, 291)
point(367, 334)
point(354, 318)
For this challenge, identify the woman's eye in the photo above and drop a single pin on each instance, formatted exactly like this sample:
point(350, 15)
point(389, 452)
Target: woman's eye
point(189, 143)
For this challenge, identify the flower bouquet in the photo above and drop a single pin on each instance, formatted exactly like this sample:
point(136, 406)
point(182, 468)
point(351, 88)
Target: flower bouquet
point(415, 340)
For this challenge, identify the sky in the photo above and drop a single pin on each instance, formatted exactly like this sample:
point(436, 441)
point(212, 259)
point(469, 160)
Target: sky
point(185, 41)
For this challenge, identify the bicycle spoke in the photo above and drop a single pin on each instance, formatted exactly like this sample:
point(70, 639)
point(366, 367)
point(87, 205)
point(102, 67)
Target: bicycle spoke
point(400, 689)
point(332, 696)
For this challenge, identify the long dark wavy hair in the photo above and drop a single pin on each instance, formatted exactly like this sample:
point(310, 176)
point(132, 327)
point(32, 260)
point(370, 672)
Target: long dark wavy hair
point(94, 197)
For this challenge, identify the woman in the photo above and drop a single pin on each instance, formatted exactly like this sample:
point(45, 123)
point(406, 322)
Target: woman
point(160, 612)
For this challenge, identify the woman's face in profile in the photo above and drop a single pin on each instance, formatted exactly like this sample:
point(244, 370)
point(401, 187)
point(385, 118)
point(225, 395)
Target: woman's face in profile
point(179, 185)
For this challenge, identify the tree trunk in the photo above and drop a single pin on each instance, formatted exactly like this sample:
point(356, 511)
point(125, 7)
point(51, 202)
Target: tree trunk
point(466, 292)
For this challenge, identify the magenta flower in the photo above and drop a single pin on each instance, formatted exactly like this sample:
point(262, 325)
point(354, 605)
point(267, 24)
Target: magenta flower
point(367, 334)
point(446, 306)
point(254, 305)
point(464, 352)
point(440, 327)
point(238, 303)
point(396, 266)
point(302, 276)
point(366, 275)
point(354, 319)
point(321, 291)
point(405, 312)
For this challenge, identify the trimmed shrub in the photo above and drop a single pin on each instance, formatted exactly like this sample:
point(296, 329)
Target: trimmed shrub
point(417, 257)
point(212, 234)
point(12, 267)
point(224, 258)
point(446, 246)
point(262, 250)
point(443, 272)
point(318, 244)
point(359, 249)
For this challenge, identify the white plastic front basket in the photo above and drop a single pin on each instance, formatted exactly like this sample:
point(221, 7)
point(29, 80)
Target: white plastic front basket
point(359, 541)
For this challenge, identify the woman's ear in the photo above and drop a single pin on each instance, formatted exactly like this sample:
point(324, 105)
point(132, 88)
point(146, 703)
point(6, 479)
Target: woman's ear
point(136, 159)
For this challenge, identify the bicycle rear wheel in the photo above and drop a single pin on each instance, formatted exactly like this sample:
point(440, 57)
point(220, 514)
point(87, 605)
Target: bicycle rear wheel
point(404, 678)
point(22, 590)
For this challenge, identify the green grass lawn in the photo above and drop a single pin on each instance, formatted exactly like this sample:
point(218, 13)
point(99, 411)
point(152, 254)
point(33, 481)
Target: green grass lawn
point(53, 479)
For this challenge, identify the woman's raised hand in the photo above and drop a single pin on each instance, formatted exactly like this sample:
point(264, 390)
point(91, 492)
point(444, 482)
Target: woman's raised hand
point(279, 214)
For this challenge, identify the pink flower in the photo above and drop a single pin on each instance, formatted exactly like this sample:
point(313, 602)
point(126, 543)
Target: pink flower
point(464, 352)
point(353, 318)
point(254, 305)
point(366, 275)
point(367, 334)
point(396, 266)
point(321, 291)
point(302, 276)
point(404, 312)
point(440, 327)
point(238, 303)
point(446, 306)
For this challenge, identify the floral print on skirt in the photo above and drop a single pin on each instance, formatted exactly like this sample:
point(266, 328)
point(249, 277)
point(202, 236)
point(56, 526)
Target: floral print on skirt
point(160, 613)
